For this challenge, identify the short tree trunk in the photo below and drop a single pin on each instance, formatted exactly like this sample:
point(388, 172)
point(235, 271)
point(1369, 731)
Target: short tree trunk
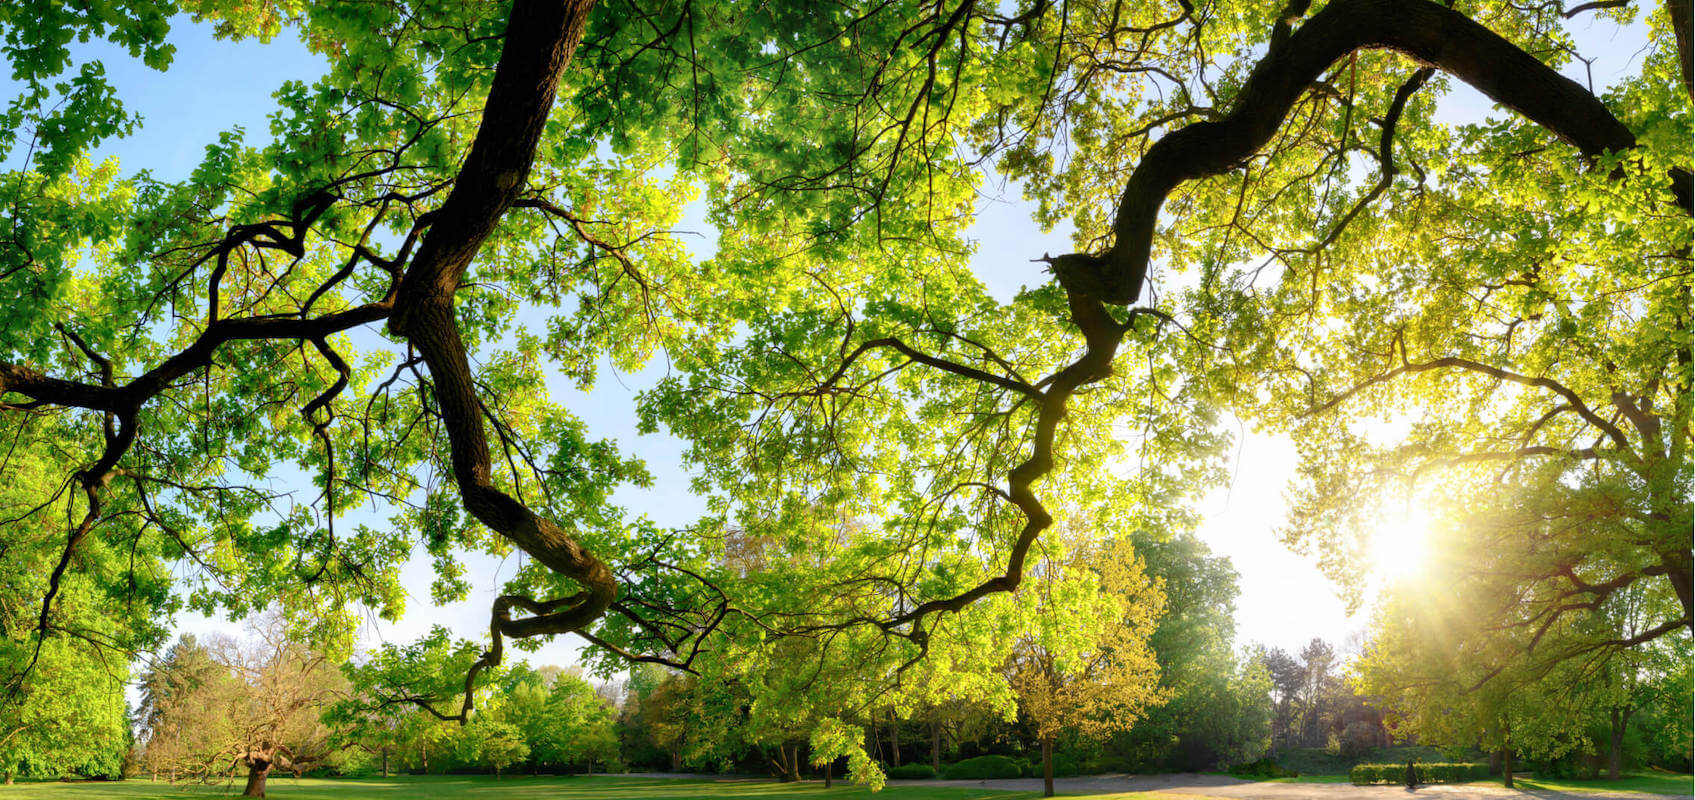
point(1047, 766)
point(1507, 766)
point(827, 766)
point(385, 760)
point(257, 772)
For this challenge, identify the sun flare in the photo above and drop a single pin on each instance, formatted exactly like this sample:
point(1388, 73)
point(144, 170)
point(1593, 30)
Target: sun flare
point(1400, 545)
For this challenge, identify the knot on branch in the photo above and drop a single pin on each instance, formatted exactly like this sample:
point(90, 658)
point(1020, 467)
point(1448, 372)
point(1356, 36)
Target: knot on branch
point(1088, 275)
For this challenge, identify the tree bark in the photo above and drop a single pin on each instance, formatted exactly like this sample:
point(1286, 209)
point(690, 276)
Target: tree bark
point(894, 739)
point(541, 37)
point(385, 760)
point(1682, 20)
point(1615, 754)
point(1047, 766)
point(257, 771)
point(827, 767)
point(936, 748)
point(1507, 766)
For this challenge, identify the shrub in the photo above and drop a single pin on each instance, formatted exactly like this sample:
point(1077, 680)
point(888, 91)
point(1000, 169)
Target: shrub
point(911, 772)
point(983, 767)
point(1262, 769)
point(1357, 739)
point(1064, 766)
point(1442, 772)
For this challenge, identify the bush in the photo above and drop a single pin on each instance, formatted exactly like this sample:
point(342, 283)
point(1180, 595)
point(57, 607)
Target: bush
point(1262, 769)
point(1064, 766)
point(1442, 772)
point(982, 767)
point(1357, 739)
point(911, 772)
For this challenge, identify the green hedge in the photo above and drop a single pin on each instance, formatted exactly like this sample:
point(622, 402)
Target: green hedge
point(982, 767)
point(1262, 769)
point(1367, 774)
point(911, 771)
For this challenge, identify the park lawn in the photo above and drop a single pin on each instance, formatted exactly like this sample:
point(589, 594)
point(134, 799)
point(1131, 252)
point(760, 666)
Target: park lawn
point(525, 788)
point(1651, 782)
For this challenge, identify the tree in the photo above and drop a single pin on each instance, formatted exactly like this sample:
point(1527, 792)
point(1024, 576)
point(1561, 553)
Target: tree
point(1443, 667)
point(69, 717)
point(834, 353)
point(1217, 711)
point(487, 740)
point(256, 707)
point(1097, 677)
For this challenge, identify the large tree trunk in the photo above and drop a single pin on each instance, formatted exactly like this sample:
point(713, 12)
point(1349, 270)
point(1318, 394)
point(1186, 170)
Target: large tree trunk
point(894, 739)
point(1615, 754)
point(1047, 766)
point(827, 765)
point(1507, 766)
point(257, 770)
point(385, 760)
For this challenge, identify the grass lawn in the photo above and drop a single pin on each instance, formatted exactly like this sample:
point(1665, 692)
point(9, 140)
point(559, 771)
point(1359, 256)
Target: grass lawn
point(1654, 782)
point(548, 788)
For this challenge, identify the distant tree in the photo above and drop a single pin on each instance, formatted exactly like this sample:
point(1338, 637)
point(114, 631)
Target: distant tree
point(583, 728)
point(1218, 710)
point(1317, 685)
point(1083, 664)
point(1287, 676)
point(1438, 678)
point(259, 710)
point(487, 740)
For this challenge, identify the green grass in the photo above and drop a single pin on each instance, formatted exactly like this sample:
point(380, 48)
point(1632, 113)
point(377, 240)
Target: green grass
point(1651, 782)
point(525, 788)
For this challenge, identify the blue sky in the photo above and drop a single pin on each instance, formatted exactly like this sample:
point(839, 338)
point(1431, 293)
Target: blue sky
point(215, 85)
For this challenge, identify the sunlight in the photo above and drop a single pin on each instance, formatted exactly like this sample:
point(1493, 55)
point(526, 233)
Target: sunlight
point(1400, 545)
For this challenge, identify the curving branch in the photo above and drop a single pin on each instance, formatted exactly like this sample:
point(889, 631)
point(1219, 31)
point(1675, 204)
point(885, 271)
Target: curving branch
point(1434, 34)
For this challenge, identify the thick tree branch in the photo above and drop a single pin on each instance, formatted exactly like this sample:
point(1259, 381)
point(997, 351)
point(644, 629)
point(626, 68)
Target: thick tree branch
point(1432, 33)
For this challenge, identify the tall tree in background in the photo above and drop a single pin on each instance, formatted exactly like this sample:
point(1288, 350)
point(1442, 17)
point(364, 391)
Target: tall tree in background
point(1084, 667)
point(834, 358)
point(1447, 668)
point(253, 706)
point(1220, 706)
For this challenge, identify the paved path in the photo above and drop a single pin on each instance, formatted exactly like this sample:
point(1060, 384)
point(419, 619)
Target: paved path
point(1220, 786)
point(1226, 787)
